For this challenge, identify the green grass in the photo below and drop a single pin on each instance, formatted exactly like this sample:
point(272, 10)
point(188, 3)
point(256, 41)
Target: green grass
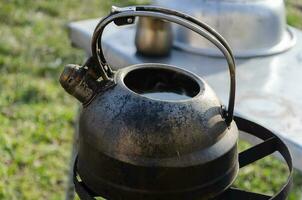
point(37, 116)
point(294, 13)
point(267, 176)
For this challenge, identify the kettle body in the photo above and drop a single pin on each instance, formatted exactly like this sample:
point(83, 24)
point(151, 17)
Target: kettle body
point(140, 144)
point(152, 131)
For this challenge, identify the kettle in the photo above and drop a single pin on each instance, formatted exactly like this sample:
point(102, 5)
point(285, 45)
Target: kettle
point(151, 131)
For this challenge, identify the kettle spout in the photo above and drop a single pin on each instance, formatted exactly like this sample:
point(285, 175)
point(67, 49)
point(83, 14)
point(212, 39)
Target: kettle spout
point(79, 83)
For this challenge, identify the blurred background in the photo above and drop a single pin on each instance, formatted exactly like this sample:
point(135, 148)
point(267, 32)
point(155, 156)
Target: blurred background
point(36, 115)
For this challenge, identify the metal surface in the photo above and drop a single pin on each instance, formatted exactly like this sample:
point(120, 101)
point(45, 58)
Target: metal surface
point(270, 87)
point(271, 143)
point(133, 146)
point(153, 37)
point(252, 27)
point(172, 16)
point(137, 147)
point(81, 82)
point(75, 82)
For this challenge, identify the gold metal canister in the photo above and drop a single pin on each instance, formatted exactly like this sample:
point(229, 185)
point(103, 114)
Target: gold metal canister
point(153, 37)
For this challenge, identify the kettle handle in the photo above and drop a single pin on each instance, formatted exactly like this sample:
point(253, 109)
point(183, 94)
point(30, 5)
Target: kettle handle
point(124, 16)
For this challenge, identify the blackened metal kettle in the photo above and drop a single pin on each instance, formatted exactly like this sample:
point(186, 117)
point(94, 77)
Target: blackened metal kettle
point(152, 131)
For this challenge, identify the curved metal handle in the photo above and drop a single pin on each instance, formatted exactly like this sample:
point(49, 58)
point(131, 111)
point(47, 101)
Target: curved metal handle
point(123, 16)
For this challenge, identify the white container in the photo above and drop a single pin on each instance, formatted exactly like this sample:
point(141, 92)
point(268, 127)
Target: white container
point(252, 27)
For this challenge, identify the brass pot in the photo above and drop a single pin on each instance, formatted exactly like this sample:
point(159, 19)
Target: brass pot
point(153, 37)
